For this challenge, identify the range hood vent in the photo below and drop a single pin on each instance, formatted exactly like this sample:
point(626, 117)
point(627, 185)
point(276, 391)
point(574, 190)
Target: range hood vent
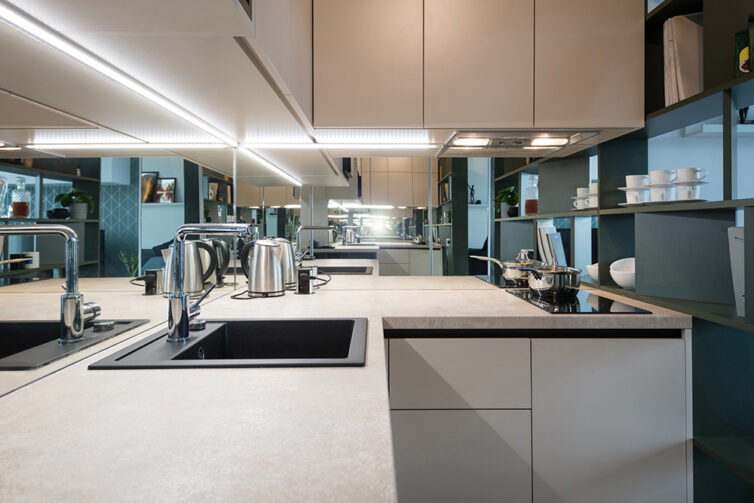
point(513, 143)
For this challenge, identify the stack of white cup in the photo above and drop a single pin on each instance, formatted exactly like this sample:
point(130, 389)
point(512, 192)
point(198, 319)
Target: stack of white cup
point(587, 197)
point(664, 185)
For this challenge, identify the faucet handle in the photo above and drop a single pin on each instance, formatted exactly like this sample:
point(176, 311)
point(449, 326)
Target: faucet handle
point(194, 308)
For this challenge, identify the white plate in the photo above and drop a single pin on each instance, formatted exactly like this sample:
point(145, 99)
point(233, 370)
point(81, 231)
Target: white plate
point(626, 189)
point(698, 182)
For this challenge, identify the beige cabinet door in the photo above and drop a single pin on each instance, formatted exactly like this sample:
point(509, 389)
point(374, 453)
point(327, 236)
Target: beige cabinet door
point(366, 187)
point(478, 63)
point(248, 194)
point(609, 420)
point(368, 63)
point(274, 196)
point(589, 63)
point(420, 189)
point(378, 164)
point(462, 455)
point(290, 198)
point(399, 164)
point(399, 189)
point(379, 187)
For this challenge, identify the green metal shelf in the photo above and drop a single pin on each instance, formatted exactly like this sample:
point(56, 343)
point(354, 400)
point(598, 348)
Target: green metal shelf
point(568, 214)
point(735, 453)
point(723, 314)
point(700, 206)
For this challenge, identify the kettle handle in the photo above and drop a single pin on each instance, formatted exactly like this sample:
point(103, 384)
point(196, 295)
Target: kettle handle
point(223, 253)
point(244, 256)
point(212, 259)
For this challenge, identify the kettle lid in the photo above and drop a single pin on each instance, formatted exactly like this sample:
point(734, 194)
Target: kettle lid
point(266, 242)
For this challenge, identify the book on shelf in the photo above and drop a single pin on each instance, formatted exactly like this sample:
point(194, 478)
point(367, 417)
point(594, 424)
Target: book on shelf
point(683, 57)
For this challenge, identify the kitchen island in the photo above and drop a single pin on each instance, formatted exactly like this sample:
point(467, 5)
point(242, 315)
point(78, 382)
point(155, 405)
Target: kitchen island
point(259, 434)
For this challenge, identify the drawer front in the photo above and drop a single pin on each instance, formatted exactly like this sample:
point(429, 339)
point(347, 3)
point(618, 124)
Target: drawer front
point(394, 270)
point(393, 256)
point(460, 374)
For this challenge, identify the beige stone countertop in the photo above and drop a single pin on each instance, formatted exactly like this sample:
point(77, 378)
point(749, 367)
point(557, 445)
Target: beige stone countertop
point(264, 434)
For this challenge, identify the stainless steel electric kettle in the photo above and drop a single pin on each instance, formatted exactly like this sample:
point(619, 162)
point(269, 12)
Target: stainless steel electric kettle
point(288, 262)
point(261, 261)
point(222, 255)
point(194, 273)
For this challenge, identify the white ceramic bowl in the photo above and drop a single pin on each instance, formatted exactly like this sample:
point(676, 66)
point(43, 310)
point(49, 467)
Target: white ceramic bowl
point(594, 271)
point(623, 272)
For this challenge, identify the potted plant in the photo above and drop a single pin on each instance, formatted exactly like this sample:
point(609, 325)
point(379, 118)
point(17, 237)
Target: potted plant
point(79, 202)
point(506, 201)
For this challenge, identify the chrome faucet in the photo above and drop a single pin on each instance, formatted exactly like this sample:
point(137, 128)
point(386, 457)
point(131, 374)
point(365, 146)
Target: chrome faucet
point(74, 313)
point(180, 313)
point(309, 253)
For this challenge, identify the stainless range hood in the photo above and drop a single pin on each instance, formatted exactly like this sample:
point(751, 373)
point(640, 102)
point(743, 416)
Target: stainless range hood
point(514, 143)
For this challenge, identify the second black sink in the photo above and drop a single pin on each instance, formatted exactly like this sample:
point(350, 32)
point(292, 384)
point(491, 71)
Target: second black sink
point(338, 342)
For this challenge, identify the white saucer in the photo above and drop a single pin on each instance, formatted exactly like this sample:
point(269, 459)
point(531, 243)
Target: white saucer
point(660, 185)
point(692, 183)
point(628, 189)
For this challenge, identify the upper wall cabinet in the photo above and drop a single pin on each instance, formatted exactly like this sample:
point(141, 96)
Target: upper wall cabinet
point(368, 63)
point(479, 63)
point(589, 63)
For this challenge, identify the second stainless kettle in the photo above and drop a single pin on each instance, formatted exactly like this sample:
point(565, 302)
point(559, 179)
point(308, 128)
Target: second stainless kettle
point(288, 263)
point(262, 264)
point(194, 274)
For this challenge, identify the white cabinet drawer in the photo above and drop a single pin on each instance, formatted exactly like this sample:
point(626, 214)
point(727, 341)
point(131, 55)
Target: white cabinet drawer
point(393, 256)
point(394, 270)
point(460, 374)
point(462, 455)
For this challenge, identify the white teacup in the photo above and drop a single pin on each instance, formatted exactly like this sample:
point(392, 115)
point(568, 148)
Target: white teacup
point(582, 192)
point(637, 196)
point(662, 194)
point(662, 177)
point(691, 174)
point(592, 202)
point(686, 192)
point(579, 204)
point(594, 187)
point(637, 180)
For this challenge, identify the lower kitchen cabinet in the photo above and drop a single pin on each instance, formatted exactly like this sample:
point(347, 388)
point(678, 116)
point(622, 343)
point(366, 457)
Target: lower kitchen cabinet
point(609, 420)
point(462, 455)
point(405, 262)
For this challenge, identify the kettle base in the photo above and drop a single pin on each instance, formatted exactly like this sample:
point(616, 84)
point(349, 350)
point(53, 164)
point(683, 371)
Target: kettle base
point(266, 294)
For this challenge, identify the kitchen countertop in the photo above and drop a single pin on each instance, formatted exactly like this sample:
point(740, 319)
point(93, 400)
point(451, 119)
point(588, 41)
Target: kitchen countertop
point(272, 434)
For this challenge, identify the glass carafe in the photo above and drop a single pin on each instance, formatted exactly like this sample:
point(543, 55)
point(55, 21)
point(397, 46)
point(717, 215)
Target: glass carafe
point(20, 199)
point(531, 197)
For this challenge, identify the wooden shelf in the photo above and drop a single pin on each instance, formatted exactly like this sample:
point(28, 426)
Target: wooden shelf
point(723, 314)
point(735, 453)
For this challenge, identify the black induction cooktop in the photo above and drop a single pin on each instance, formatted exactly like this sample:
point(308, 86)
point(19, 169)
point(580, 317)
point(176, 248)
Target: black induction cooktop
point(585, 302)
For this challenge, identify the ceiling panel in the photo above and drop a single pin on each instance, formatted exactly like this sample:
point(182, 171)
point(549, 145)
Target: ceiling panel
point(188, 17)
point(19, 113)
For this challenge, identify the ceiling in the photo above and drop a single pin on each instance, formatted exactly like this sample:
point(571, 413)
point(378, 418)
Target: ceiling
point(185, 51)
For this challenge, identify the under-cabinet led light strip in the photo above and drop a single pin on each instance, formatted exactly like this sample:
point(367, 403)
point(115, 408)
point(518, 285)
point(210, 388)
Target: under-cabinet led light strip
point(30, 26)
point(126, 146)
point(345, 146)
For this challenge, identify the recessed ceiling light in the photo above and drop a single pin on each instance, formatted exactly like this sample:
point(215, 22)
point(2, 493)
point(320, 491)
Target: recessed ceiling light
point(293, 206)
point(402, 207)
point(471, 142)
point(546, 141)
point(539, 148)
point(7, 149)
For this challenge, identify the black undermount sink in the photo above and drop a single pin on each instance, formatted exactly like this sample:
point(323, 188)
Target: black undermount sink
point(28, 345)
point(344, 269)
point(316, 342)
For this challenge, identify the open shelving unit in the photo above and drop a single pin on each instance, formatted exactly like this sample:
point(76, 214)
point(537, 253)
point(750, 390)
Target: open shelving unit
point(681, 249)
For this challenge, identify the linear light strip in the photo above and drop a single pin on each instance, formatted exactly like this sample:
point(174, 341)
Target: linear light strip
point(25, 23)
point(258, 158)
point(126, 146)
point(46, 35)
point(345, 146)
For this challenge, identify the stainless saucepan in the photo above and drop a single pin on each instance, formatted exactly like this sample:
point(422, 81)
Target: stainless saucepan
point(555, 281)
point(515, 271)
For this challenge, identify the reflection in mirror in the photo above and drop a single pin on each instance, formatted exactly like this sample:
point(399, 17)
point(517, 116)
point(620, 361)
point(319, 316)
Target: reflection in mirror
point(585, 247)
